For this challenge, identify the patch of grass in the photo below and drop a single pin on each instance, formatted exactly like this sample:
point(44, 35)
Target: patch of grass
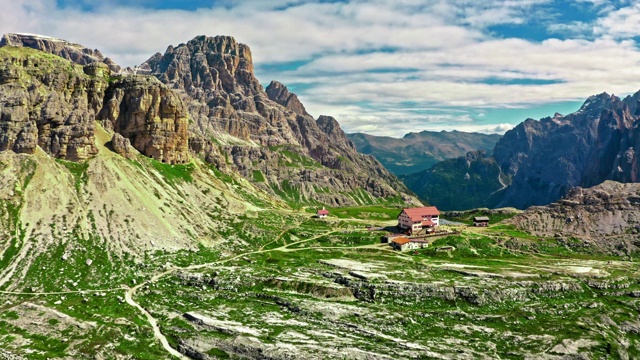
point(11, 315)
point(294, 157)
point(174, 173)
point(511, 231)
point(466, 217)
point(370, 212)
point(9, 253)
point(217, 353)
point(290, 193)
point(258, 176)
point(78, 170)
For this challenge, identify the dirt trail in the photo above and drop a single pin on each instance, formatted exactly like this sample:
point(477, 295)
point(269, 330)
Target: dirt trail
point(285, 248)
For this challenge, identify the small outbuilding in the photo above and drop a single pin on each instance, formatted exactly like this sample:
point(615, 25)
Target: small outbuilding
point(403, 243)
point(322, 213)
point(482, 221)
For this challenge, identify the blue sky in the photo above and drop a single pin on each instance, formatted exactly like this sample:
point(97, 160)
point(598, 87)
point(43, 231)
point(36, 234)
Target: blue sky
point(384, 67)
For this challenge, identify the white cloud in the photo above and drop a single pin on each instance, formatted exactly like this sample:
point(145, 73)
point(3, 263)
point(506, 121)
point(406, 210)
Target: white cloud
point(621, 23)
point(367, 59)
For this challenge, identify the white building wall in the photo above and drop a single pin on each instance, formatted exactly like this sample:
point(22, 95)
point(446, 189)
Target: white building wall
point(404, 221)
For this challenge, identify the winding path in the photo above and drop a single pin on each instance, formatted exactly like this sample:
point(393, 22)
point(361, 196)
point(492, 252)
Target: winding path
point(285, 248)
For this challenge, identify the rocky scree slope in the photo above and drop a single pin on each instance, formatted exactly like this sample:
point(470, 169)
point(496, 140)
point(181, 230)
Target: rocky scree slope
point(607, 215)
point(419, 151)
point(214, 107)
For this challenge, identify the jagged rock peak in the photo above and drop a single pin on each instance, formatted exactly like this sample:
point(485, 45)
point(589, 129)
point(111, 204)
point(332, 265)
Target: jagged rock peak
point(222, 44)
point(77, 53)
point(278, 92)
point(596, 103)
point(330, 126)
point(206, 65)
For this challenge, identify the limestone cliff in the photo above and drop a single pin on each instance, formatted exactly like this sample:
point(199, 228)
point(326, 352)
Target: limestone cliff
point(605, 215)
point(150, 115)
point(47, 102)
point(207, 102)
point(279, 93)
point(237, 123)
point(65, 49)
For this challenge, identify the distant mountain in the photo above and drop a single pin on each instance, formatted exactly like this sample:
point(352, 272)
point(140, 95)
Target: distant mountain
point(419, 151)
point(540, 160)
point(466, 182)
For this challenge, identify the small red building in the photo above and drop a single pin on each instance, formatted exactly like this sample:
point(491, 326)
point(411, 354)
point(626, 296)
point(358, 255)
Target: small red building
point(322, 213)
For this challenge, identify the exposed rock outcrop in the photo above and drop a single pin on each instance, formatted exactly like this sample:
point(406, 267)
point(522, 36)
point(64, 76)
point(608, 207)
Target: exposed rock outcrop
point(44, 106)
point(279, 93)
point(70, 51)
point(607, 216)
point(224, 98)
point(122, 146)
point(150, 115)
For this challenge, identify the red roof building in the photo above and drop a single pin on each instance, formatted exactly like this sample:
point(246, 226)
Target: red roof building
point(322, 213)
point(415, 220)
point(403, 243)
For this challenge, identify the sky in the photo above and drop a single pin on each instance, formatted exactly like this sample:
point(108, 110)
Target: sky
point(383, 67)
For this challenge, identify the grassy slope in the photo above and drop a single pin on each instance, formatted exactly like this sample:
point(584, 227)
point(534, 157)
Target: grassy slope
point(277, 275)
point(271, 281)
point(456, 184)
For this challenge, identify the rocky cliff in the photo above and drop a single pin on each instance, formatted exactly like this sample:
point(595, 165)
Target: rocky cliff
point(150, 115)
point(70, 51)
point(237, 123)
point(606, 215)
point(50, 103)
point(46, 102)
point(280, 94)
point(209, 103)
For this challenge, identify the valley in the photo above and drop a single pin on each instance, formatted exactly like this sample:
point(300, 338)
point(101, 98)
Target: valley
point(279, 283)
point(500, 293)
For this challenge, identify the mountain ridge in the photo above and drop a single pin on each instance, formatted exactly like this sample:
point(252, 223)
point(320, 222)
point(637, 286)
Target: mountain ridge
point(539, 161)
point(419, 151)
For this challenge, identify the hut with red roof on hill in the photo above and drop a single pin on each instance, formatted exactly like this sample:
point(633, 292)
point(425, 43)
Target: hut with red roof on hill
point(415, 220)
point(322, 213)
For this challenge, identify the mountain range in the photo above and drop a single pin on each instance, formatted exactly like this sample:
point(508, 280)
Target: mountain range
point(538, 161)
point(419, 151)
point(168, 210)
